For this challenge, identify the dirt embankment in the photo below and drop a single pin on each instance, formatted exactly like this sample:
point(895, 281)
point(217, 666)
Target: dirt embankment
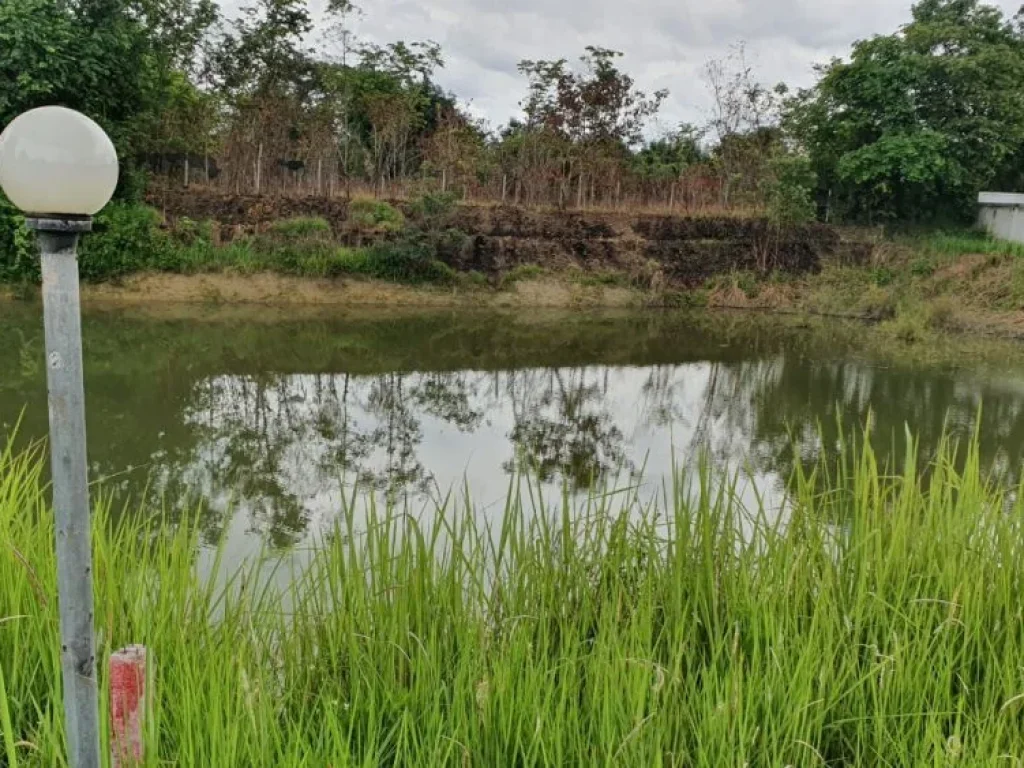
point(673, 250)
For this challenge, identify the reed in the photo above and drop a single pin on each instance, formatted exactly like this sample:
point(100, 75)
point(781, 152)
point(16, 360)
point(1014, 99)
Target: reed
point(877, 622)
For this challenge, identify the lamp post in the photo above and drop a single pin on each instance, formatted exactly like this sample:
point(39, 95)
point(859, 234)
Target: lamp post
point(60, 168)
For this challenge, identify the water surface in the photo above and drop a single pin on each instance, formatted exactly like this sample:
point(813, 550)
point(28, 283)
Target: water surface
point(270, 419)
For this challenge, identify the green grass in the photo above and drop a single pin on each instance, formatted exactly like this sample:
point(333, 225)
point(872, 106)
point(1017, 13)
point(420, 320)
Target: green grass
point(377, 215)
point(881, 625)
point(301, 227)
point(967, 242)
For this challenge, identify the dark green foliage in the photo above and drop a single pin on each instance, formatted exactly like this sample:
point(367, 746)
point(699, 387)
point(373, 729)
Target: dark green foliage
point(377, 215)
point(922, 267)
point(126, 238)
point(670, 156)
point(412, 258)
point(299, 246)
point(419, 251)
point(19, 261)
point(432, 210)
point(882, 276)
point(788, 189)
point(301, 227)
point(916, 122)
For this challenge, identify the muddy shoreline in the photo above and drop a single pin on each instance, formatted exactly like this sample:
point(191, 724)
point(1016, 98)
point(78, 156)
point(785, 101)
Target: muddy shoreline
point(282, 293)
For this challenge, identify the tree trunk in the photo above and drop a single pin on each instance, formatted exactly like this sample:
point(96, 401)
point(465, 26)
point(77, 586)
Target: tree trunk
point(186, 171)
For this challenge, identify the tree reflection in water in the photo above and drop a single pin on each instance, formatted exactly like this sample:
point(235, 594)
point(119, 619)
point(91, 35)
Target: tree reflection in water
point(277, 423)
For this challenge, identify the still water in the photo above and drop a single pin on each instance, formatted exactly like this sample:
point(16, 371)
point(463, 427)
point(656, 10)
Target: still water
point(268, 420)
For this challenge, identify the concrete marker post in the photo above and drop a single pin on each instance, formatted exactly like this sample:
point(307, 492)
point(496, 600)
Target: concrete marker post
point(128, 706)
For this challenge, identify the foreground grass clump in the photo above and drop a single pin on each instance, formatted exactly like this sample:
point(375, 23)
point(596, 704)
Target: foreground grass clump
point(880, 625)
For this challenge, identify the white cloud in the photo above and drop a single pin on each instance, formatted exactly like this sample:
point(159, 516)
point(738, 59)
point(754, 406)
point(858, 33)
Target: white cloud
point(666, 42)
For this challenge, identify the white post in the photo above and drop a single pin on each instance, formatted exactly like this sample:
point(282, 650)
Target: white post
point(259, 166)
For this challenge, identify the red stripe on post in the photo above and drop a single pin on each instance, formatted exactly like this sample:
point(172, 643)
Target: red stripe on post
point(127, 705)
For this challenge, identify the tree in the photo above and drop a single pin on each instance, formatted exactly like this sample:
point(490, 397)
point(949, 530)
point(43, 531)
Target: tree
point(670, 155)
point(917, 122)
point(582, 118)
point(96, 57)
point(743, 123)
point(264, 52)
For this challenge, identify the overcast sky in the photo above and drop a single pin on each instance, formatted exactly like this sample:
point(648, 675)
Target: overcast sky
point(666, 42)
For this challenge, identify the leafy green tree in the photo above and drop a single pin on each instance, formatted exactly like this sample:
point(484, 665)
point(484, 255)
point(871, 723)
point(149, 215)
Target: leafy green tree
point(670, 155)
point(916, 122)
point(94, 56)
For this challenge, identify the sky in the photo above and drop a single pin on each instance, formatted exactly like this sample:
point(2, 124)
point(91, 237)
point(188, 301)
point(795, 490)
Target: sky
point(666, 42)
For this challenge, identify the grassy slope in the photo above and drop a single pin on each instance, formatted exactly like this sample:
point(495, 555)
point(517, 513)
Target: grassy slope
point(881, 626)
point(915, 287)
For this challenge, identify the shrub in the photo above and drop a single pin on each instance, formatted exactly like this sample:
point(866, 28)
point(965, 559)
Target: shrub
point(882, 276)
point(297, 246)
point(942, 315)
point(788, 189)
point(433, 209)
point(366, 213)
point(188, 231)
point(410, 259)
point(126, 238)
point(350, 261)
point(300, 227)
point(922, 267)
point(19, 261)
point(908, 327)
point(877, 304)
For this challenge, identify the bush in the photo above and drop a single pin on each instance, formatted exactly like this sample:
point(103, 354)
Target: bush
point(126, 238)
point(412, 259)
point(922, 267)
point(298, 246)
point(789, 189)
point(942, 315)
point(19, 260)
point(301, 227)
point(378, 215)
point(882, 276)
point(433, 209)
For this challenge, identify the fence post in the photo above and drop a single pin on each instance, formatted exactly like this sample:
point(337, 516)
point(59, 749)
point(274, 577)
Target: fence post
point(127, 706)
point(259, 166)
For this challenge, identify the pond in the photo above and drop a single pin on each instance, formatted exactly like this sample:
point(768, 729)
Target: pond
point(268, 418)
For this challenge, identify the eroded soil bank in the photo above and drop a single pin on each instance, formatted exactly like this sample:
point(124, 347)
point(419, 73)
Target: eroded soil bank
point(676, 250)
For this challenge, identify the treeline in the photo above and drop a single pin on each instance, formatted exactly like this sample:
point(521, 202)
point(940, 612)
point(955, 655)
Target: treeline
point(909, 128)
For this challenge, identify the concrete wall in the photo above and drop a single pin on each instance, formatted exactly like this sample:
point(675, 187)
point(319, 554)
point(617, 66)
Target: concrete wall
point(1001, 214)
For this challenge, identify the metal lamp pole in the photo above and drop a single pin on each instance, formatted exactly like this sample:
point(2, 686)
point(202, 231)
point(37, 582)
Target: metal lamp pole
point(57, 240)
point(56, 159)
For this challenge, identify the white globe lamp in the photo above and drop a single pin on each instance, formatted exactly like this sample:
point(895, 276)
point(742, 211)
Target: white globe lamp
point(57, 162)
point(60, 168)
